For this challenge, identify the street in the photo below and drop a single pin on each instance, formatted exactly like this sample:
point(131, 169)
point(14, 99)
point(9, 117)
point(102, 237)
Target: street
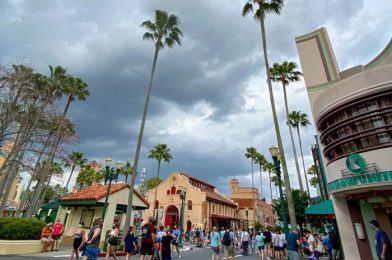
point(186, 253)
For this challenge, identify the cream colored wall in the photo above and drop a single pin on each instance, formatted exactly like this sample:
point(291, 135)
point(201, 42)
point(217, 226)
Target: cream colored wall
point(194, 194)
point(346, 231)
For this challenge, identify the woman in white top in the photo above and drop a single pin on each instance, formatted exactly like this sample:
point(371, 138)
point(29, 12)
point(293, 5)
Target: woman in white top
point(112, 243)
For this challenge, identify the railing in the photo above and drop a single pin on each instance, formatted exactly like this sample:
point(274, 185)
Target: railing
point(370, 168)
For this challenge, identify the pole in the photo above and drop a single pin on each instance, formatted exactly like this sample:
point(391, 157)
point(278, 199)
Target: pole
point(282, 205)
point(182, 196)
point(107, 194)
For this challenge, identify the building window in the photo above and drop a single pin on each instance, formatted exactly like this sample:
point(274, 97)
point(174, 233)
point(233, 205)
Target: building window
point(388, 118)
point(173, 190)
point(87, 218)
point(377, 121)
point(168, 192)
point(189, 205)
point(384, 138)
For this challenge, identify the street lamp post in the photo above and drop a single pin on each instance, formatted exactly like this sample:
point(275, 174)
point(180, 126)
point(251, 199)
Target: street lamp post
point(274, 151)
point(109, 176)
point(182, 197)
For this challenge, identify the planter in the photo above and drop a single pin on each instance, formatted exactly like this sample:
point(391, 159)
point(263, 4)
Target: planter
point(18, 247)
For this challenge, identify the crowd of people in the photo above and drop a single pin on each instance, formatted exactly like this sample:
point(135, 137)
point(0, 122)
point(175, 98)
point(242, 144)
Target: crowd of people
point(158, 242)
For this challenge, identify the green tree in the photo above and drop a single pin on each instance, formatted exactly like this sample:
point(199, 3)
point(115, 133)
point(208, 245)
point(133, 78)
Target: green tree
point(298, 119)
point(312, 170)
point(286, 73)
point(301, 202)
point(269, 167)
point(264, 7)
point(261, 161)
point(75, 159)
point(87, 176)
point(126, 170)
point(251, 153)
point(163, 31)
point(159, 153)
point(153, 182)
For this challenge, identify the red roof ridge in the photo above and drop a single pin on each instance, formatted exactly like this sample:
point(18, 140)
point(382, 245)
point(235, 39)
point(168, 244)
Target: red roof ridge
point(197, 179)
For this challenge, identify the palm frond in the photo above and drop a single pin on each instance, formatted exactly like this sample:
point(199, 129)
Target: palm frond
point(148, 36)
point(247, 9)
point(149, 26)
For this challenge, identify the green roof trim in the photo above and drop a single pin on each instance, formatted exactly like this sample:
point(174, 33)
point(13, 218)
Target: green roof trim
point(78, 203)
point(322, 208)
point(54, 204)
point(363, 179)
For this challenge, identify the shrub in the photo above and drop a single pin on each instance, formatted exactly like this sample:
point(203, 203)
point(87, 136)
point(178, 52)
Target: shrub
point(20, 228)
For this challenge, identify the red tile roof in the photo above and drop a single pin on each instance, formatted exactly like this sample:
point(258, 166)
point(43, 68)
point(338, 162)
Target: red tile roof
point(219, 198)
point(97, 192)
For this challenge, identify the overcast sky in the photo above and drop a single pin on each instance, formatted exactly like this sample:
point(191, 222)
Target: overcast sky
point(210, 98)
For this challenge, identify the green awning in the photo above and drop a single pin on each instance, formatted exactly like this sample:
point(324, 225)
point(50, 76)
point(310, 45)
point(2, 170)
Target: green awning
point(322, 208)
point(54, 204)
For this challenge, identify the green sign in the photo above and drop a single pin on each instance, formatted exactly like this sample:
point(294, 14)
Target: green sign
point(355, 163)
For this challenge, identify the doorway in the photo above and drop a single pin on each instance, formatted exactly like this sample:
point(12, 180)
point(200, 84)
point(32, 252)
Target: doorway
point(172, 216)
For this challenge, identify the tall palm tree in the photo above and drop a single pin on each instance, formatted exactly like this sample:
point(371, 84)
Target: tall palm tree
point(251, 153)
point(159, 153)
point(269, 167)
point(264, 7)
point(298, 119)
point(127, 170)
point(261, 161)
point(163, 31)
point(286, 73)
point(76, 159)
point(312, 170)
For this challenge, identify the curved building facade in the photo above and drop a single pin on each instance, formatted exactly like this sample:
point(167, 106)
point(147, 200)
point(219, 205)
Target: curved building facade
point(353, 113)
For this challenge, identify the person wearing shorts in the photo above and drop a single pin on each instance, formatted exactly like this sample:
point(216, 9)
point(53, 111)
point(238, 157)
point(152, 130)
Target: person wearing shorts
point(148, 240)
point(260, 244)
point(215, 238)
point(267, 241)
point(229, 251)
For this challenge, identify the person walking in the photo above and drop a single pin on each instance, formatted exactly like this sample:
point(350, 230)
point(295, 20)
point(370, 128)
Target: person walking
point(328, 245)
point(91, 250)
point(215, 238)
point(112, 242)
point(260, 244)
point(148, 240)
point(276, 242)
point(292, 242)
point(267, 242)
point(78, 238)
point(311, 241)
point(383, 244)
point(130, 243)
point(166, 240)
point(228, 242)
point(176, 234)
point(245, 242)
point(57, 231)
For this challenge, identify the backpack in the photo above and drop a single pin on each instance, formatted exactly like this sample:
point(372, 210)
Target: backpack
point(145, 233)
point(226, 239)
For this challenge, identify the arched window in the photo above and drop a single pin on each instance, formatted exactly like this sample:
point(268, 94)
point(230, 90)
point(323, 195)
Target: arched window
point(173, 190)
point(168, 192)
point(189, 205)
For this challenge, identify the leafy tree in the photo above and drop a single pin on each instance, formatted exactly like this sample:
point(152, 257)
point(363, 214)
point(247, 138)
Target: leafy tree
point(159, 153)
point(153, 182)
point(163, 31)
point(261, 161)
point(269, 167)
point(301, 202)
point(75, 159)
point(126, 170)
point(298, 119)
point(88, 176)
point(286, 73)
point(312, 170)
point(251, 153)
point(264, 7)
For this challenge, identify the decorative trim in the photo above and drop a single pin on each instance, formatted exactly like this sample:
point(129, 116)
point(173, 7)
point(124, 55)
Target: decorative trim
point(370, 178)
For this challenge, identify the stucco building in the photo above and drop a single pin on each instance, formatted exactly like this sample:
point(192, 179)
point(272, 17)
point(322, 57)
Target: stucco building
point(205, 207)
point(250, 206)
point(353, 114)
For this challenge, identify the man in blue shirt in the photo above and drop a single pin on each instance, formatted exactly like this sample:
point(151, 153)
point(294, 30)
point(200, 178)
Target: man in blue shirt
point(292, 241)
point(383, 244)
point(215, 239)
point(176, 234)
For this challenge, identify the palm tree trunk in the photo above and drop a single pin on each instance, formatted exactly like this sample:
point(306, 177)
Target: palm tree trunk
point(269, 173)
point(139, 142)
point(253, 197)
point(289, 195)
point(72, 170)
point(303, 162)
point(261, 185)
point(301, 186)
point(156, 190)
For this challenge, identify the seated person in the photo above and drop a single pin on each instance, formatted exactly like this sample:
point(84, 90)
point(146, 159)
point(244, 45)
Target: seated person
point(46, 239)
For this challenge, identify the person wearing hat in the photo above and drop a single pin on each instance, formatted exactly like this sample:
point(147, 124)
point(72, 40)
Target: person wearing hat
point(383, 244)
